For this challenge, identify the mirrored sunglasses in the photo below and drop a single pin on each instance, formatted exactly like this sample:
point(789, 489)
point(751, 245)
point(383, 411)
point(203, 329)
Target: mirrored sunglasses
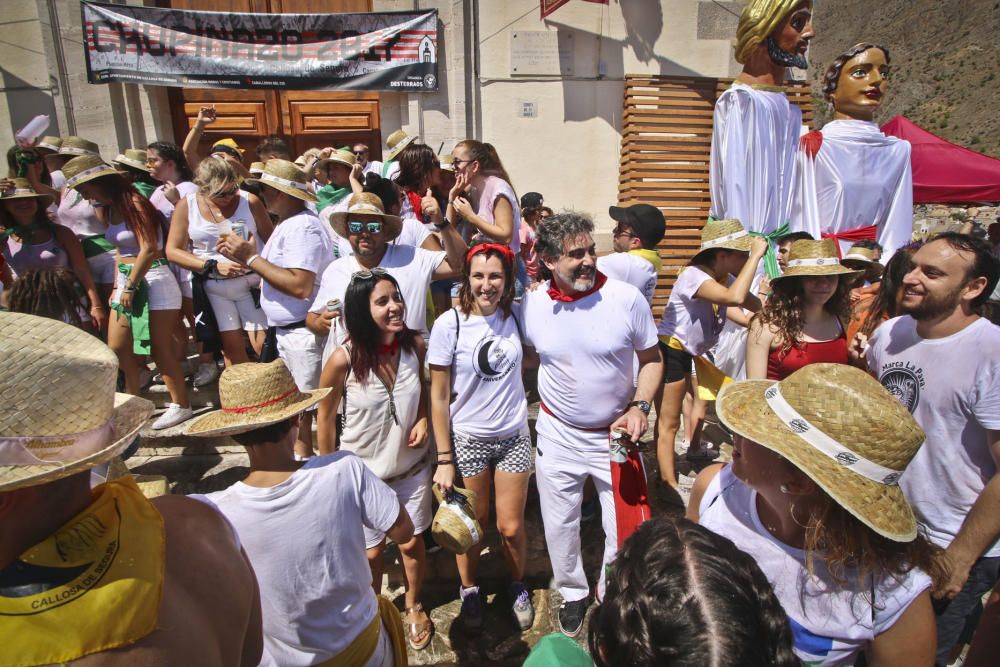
point(356, 227)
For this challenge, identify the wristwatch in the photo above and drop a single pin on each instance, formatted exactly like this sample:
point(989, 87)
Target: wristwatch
point(444, 223)
point(642, 405)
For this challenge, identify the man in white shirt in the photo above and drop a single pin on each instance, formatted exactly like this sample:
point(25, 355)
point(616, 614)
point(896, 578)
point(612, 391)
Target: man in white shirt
point(589, 332)
point(942, 361)
point(635, 260)
point(296, 254)
point(361, 152)
point(316, 589)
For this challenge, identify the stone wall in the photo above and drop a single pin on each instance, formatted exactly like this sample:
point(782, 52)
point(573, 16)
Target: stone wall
point(930, 219)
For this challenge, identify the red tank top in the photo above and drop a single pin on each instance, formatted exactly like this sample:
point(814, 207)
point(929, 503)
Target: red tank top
point(781, 364)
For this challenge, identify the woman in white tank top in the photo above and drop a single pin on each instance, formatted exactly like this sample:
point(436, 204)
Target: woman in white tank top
point(199, 221)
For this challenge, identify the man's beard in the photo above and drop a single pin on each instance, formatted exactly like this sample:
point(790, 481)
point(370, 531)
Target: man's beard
point(933, 307)
point(785, 58)
point(580, 283)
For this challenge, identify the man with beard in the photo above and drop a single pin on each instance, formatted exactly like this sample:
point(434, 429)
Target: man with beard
point(589, 332)
point(635, 260)
point(942, 361)
point(755, 130)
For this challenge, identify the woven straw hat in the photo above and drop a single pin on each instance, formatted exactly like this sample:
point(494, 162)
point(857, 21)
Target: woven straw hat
point(861, 258)
point(23, 190)
point(61, 414)
point(727, 233)
point(133, 157)
point(284, 176)
point(447, 161)
point(257, 168)
point(72, 145)
point(455, 526)
point(814, 258)
point(840, 427)
point(366, 206)
point(396, 142)
point(50, 143)
point(339, 156)
point(86, 168)
point(254, 395)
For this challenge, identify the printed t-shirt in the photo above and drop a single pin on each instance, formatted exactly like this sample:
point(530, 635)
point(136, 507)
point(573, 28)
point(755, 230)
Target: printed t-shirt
point(493, 189)
point(587, 349)
point(951, 386)
point(298, 242)
point(485, 366)
point(692, 321)
point(630, 269)
point(831, 623)
point(185, 189)
point(316, 589)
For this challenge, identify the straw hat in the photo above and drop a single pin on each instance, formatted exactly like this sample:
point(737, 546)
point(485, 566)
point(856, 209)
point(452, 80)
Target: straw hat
point(72, 145)
point(727, 233)
point(254, 395)
point(61, 414)
point(366, 206)
point(339, 156)
point(86, 168)
point(133, 157)
point(814, 258)
point(396, 142)
point(257, 168)
point(447, 161)
point(284, 176)
point(840, 427)
point(23, 190)
point(860, 257)
point(455, 526)
point(50, 143)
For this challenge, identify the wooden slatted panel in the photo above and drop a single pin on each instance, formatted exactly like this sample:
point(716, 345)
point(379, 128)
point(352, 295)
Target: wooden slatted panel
point(666, 140)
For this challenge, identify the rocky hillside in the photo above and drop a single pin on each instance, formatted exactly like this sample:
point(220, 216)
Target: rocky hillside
point(945, 62)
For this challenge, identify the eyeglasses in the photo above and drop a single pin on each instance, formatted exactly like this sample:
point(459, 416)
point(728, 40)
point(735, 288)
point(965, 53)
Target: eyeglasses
point(622, 231)
point(356, 227)
point(457, 161)
point(369, 274)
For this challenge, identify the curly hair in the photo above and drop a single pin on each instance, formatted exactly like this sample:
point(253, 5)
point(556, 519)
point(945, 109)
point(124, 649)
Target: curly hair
point(678, 595)
point(885, 305)
point(465, 298)
point(171, 152)
point(48, 293)
point(784, 310)
point(551, 233)
point(831, 79)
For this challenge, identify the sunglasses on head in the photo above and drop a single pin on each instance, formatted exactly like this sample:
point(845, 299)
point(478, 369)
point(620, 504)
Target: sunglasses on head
point(356, 227)
point(368, 274)
point(226, 193)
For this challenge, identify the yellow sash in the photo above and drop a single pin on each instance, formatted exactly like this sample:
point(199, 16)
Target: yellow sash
point(650, 256)
point(360, 651)
point(710, 378)
point(93, 585)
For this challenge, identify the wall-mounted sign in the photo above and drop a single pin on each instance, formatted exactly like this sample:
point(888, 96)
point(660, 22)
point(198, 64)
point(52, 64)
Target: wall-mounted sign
point(541, 53)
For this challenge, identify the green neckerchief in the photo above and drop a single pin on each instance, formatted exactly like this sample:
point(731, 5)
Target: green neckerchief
point(770, 258)
point(23, 232)
point(650, 256)
point(145, 189)
point(96, 245)
point(328, 195)
point(138, 319)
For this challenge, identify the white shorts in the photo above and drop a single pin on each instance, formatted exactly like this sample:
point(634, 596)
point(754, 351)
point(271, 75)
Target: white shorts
point(415, 495)
point(183, 279)
point(103, 267)
point(302, 352)
point(232, 302)
point(164, 294)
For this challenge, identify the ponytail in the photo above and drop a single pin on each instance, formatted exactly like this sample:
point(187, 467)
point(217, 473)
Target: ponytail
point(486, 155)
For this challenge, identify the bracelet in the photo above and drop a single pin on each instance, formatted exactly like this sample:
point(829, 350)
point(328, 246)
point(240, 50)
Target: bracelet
point(252, 259)
point(444, 453)
point(445, 462)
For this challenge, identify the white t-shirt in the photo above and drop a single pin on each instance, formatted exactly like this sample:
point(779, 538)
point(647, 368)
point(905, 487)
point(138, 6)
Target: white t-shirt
point(830, 624)
point(305, 540)
point(414, 233)
point(630, 269)
point(587, 349)
point(952, 387)
point(298, 242)
point(163, 205)
point(692, 321)
point(485, 371)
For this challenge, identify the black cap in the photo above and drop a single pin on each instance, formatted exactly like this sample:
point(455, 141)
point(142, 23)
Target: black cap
point(645, 220)
point(531, 200)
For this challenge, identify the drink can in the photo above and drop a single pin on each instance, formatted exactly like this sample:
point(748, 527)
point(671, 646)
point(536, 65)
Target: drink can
point(240, 229)
point(333, 306)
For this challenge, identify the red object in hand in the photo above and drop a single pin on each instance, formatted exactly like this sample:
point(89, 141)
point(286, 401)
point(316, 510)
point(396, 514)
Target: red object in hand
point(628, 485)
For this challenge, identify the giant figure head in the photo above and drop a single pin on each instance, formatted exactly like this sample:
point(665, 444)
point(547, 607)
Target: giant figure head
point(784, 27)
point(856, 81)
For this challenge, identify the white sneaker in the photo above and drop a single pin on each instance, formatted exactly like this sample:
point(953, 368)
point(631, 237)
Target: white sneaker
point(173, 416)
point(206, 374)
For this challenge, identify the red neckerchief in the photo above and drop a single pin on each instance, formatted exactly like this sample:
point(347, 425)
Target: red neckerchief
point(415, 200)
point(556, 295)
point(389, 349)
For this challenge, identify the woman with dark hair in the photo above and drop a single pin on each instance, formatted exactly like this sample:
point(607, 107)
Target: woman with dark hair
point(885, 305)
point(480, 417)
point(803, 320)
point(378, 389)
point(147, 299)
point(812, 497)
point(419, 174)
point(133, 166)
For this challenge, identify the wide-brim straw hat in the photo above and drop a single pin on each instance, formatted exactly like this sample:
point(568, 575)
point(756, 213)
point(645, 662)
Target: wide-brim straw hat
point(50, 143)
point(814, 258)
point(339, 156)
point(455, 526)
point(61, 413)
point(447, 162)
point(727, 233)
point(73, 145)
point(254, 395)
point(863, 256)
point(134, 158)
point(284, 176)
point(23, 190)
point(256, 168)
point(366, 206)
point(396, 142)
point(86, 168)
point(841, 428)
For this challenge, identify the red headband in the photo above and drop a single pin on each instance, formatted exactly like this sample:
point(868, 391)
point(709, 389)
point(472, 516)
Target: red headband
point(507, 253)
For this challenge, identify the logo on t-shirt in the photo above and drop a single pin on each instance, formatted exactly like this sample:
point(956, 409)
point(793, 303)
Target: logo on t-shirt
point(493, 358)
point(904, 381)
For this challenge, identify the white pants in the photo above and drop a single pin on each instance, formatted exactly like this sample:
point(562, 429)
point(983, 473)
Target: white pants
point(164, 294)
point(302, 352)
point(233, 304)
point(565, 458)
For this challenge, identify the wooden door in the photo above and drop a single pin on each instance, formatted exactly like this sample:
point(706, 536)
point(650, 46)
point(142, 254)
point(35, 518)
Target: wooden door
point(303, 118)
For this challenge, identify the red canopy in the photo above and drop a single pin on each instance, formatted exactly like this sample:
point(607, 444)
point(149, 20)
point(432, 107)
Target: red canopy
point(944, 172)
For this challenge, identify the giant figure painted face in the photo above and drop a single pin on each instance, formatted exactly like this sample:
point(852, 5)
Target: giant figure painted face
point(856, 82)
point(783, 27)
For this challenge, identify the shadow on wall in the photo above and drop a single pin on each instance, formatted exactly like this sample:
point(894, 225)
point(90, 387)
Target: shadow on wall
point(24, 102)
point(644, 21)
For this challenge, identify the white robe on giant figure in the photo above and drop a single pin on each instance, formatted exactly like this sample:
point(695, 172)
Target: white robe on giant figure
point(859, 177)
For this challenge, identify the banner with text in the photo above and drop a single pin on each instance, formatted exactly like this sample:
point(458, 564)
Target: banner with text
point(383, 51)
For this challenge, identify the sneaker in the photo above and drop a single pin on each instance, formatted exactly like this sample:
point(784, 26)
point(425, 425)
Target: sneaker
point(524, 611)
point(206, 374)
point(471, 612)
point(571, 615)
point(173, 416)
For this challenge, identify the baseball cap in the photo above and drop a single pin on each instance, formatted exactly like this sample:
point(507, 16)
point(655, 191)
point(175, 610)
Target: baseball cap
point(531, 200)
point(645, 220)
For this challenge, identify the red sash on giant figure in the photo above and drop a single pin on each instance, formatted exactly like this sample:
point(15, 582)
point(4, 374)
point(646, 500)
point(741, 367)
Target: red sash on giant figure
point(867, 233)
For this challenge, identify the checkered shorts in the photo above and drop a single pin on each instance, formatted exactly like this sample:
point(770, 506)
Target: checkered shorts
point(474, 455)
